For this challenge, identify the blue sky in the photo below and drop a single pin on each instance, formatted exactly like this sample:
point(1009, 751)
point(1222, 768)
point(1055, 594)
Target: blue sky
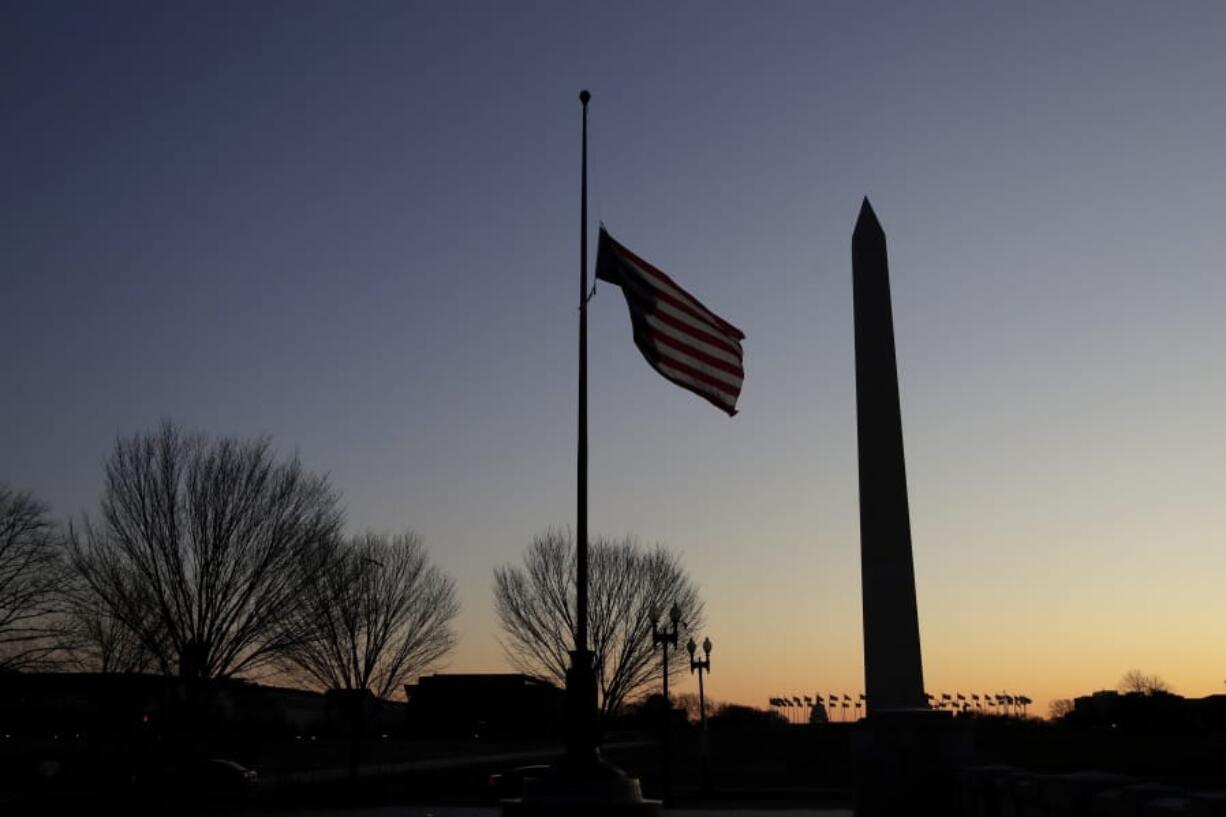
point(355, 227)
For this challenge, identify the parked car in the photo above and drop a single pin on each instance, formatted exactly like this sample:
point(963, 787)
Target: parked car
point(211, 779)
point(219, 774)
point(511, 783)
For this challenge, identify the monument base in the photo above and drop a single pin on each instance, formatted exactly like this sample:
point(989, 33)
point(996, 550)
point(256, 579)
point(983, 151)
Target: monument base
point(596, 788)
point(907, 761)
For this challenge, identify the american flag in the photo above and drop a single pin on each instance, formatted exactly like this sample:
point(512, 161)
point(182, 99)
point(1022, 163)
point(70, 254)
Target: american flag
point(681, 339)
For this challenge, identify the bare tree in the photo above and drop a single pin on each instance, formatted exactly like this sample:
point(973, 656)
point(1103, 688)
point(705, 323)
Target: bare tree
point(1059, 709)
point(30, 575)
point(375, 614)
point(201, 546)
point(627, 584)
point(1136, 681)
point(93, 640)
point(687, 702)
point(378, 613)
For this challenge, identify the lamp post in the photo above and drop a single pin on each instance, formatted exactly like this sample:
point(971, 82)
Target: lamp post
point(702, 665)
point(663, 638)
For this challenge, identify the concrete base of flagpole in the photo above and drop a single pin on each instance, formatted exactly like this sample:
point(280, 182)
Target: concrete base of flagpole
point(583, 783)
point(906, 761)
point(598, 789)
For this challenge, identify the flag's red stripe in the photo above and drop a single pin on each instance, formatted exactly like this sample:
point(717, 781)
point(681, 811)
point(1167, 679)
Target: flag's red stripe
point(705, 332)
point(659, 274)
point(719, 404)
point(663, 277)
point(652, 320)
point(710, 360)
point(701, 382)
point(707, 337)
point(732, 358)
point(727, 382)
point(703, 316)
point(714, 383)
point(717, 399)
point(657, 280)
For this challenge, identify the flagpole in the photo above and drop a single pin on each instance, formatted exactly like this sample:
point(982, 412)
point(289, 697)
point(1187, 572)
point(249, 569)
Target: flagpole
point(583, 783)
point(581, 510)
point(581, 726)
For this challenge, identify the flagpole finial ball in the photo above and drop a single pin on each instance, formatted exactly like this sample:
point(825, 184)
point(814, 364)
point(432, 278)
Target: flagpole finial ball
point(584, 96)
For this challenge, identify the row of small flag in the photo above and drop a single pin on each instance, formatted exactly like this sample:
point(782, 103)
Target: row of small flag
point(805, 700)
point(945, 699)
point(830, 705)
point(1003, 699)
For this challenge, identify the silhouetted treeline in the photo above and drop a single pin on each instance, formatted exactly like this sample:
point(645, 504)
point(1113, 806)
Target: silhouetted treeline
point(214, 558)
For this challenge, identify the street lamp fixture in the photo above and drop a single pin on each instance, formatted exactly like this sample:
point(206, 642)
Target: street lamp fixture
point(665, 638)
point(702, 665)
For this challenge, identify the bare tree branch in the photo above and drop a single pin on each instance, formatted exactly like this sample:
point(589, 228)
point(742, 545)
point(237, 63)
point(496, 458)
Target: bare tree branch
point(1060, 708)
point(376, 614)
point(91, 639)
point(535, 604)
point(201, 546)
point(30, 574)
point(1136, 681)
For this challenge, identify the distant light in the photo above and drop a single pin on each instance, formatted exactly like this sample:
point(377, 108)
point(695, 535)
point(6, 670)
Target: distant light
point(297, 737)
point(384, 736)
point(312, 737)
point(144, 719)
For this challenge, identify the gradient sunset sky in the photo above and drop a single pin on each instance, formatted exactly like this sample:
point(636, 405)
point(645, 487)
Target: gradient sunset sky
point(354, 226)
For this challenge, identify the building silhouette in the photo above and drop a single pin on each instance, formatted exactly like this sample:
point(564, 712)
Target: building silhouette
point(135, 705)
point(1154, 712)
point(484, 706)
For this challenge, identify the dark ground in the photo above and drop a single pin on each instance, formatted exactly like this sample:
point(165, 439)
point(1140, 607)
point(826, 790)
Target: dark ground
point(774, 766)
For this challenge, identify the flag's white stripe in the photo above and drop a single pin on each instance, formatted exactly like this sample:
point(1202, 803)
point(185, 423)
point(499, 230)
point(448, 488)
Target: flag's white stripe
point(697, 385)
point(690, 340)
point(681, 295)
point(694, 363)
point(688, 320)
point(681, 379)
